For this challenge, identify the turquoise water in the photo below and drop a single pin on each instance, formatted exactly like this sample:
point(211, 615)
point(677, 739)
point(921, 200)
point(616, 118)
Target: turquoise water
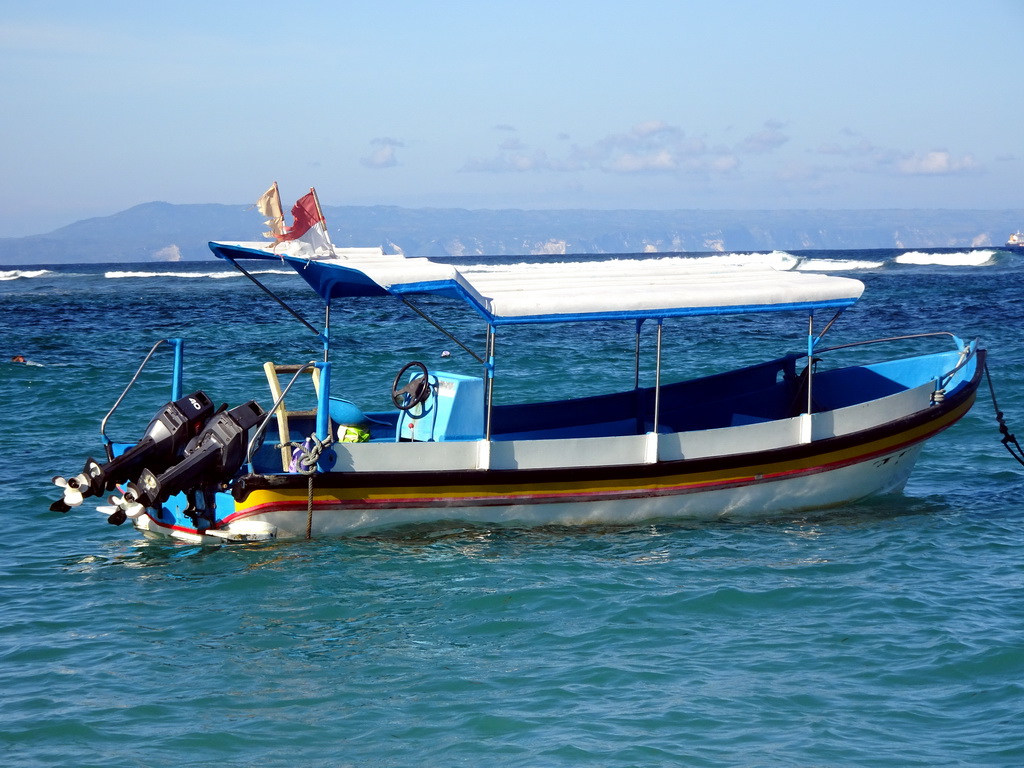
point(889, 633)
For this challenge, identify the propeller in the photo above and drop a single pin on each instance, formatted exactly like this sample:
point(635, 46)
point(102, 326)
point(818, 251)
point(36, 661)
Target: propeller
point(73, 495)
point(125, 507)
point(88, 482)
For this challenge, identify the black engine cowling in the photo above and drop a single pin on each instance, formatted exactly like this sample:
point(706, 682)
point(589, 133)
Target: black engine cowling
point(212, 457)
point(163, 443)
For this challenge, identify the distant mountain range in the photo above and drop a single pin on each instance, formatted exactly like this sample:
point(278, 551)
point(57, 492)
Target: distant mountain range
point(166, 232)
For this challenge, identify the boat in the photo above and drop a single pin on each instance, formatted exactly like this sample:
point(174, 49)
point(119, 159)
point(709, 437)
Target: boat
point(1016, 240)
point(801, 430)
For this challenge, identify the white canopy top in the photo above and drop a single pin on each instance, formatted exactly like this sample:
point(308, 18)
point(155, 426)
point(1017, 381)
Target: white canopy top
point(653, 288)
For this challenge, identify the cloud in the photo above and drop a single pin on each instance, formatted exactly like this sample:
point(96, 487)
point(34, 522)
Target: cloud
point(862, 148)
point(629, 162)
point(869, 158)
point(651, 134)
point(384, 155)
point(724, 163)
point(799, 172)
point(935, 163)
point(651, 146)
point(658, 147)
point(513, 159)
point(768, 138)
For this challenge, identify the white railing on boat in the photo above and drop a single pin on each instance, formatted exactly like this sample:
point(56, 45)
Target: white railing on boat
point(967, 350)
point(176, 378)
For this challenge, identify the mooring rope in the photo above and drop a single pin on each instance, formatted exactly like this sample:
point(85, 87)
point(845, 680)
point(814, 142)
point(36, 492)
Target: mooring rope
point(308, 456)
point(1009, 441)
point(309, 507)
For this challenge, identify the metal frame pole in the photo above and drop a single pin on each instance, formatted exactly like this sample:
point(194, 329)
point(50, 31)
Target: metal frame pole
point(657, 382)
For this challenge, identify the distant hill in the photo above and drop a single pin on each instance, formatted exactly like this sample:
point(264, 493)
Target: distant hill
point(166, 232)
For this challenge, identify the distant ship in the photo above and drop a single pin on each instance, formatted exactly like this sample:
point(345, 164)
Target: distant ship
point(1016, 240)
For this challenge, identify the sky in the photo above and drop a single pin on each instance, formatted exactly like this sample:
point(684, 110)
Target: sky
point(548, 104)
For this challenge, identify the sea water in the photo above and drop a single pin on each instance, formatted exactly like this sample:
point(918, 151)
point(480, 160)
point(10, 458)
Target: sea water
point(886, 633)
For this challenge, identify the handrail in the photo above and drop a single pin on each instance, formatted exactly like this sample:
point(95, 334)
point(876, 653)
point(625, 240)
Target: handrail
point(967, 350)
point(175, 386)
point(272, 410)
point(890, 338)
point(966, 353)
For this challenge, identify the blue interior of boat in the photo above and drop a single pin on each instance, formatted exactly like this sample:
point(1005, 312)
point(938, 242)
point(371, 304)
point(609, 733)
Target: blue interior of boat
point(767, 391)
point(843, 387)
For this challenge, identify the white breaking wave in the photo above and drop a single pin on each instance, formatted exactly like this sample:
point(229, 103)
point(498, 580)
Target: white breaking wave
point(14, 274)
point(836, 265)
point(777, 260)
point(271, 272)
point(115, 275)
point(959, 259)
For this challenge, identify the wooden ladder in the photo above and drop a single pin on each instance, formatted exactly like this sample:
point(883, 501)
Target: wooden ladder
point(273, 371)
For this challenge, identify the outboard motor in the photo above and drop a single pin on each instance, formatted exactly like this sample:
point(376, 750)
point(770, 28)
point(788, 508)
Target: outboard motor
point(162, 445)
point(212, 457)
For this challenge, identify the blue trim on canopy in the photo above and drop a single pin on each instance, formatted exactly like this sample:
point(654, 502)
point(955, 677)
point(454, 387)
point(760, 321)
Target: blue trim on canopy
point(662, 314)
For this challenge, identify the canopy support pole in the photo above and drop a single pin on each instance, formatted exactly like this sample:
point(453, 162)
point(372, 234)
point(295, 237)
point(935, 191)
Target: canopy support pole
point(657, 383)
point(636, 356)
point(437, 325)
point(489, 381)
point(825, 329)
point(327, 331)
point(650, 455)
point(806, 417)
point(277, 298)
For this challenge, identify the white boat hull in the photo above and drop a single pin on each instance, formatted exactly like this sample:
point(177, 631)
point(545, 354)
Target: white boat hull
point(757, 499)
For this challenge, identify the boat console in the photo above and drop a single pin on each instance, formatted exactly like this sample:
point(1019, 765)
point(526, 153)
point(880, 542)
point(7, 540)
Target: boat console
point(453, 411)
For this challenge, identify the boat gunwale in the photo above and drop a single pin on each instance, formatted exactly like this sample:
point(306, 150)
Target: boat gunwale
point(958, 403)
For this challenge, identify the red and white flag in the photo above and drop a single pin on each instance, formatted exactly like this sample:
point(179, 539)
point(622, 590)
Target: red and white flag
point(308, 225)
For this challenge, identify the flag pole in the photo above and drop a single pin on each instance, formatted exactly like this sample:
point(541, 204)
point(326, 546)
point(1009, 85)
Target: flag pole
point(320, 213)
point(277, 196)
point(327, 307)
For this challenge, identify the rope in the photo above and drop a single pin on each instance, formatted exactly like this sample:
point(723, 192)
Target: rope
point(309, 507)
point(305, 464)
point(1009, 441)
point(309, 455)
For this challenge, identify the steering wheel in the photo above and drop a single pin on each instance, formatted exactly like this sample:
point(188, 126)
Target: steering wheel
point(413, 393)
